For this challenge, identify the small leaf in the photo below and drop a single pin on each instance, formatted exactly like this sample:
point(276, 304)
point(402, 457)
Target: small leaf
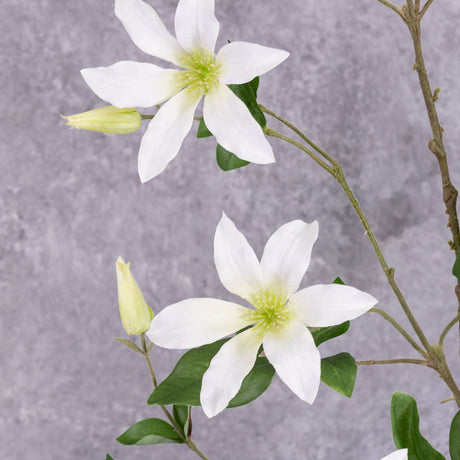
point(228, 160)
point(454, 438)
point(149, 431)
point(456, 267)
point(183, 385)
point(129, 344)
point(203, 130)
point(406, 433)
point(108, 457)
point(338, 280)
point(246, 93)
point(330, 332)
point(339, 373)
point(181, 416)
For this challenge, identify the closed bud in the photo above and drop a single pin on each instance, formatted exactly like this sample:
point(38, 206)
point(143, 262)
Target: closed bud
point(135, 314)
point(107, 119)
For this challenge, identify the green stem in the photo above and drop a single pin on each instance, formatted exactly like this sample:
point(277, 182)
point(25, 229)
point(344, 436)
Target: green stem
point(190, 444)
point(372, 362)
point(448, 328)
point(400, 329)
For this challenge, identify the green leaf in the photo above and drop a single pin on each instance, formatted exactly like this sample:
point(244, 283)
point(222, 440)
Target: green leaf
point(181, 416)
point(339, 373)
point(203, 130)
point(149, 431)
point(228, 160)
point(327, 333)
point(406, 433)
point(183, 385)
point(454, 438)
point(338, 280)
point(129, 344)
point(456, 267)
point(108, 457)
point(247, 92)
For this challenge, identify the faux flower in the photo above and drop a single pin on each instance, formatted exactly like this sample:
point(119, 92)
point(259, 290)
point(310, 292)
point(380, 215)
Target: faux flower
point(204, 73)
point(135, 314)
point(107, 119)
point(280, 315)
point(400, 454)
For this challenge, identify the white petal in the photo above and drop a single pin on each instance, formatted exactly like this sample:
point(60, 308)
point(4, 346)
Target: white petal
point(147, 30)
point(165, 134)
point(227, 371)
point(400, 454)
point(241, 62)
point(236, 263)
point(195, 322)
point(132, 84)
point(297, 361)
point(196, 25)
point(287, 255)
point(329, 304)
point(234, 127)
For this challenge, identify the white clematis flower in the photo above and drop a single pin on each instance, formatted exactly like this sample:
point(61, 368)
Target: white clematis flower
point(134, 84)
point(400, 454)
point(280, 315)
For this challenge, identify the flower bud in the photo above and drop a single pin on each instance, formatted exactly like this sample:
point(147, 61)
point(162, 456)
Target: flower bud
point(107, 119)
point(135, 314)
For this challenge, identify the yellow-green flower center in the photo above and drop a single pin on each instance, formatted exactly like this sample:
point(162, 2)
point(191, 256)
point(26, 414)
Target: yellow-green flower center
point(202, 71)
point(272, 310)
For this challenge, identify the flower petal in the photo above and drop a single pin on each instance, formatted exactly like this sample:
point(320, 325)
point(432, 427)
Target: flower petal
point(147, 30)
point(235, 129)
point(236, 263)
point(297, 361)
point(400, 454)
point(227, 370)
point(196, 25)
point(330, 304)
point(195, 322)
point(132, 84)
point(241, 61)
point(287, 255)
point(165, 134)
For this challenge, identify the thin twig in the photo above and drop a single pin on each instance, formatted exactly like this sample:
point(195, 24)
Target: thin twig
point(400, 329)
point(425, 8)
point(393, 7)
point(372, 362)
point(448, 328)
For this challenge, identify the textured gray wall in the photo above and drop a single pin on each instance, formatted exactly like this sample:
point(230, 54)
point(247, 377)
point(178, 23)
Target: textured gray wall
point(71, 202)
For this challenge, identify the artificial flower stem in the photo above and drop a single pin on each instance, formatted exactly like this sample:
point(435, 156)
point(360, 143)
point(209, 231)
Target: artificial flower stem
point(400, 329)
point(190, 444)
point(392, 7)
point(447, 329)
point(372, 362)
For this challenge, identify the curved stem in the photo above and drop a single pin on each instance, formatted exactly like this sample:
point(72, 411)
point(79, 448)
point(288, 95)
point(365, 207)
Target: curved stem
point(448, 328)
point(190, 444)
point(392, 7)
point(372, 362)
point(400, 329)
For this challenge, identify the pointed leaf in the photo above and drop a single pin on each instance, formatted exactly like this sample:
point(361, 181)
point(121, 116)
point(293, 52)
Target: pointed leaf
point(406, 433)
point(149, 431)
point(181, 416)
point(183, 385)
point(454, 438)
point(327, 333)
point(338, 280)
point(129, 344)
point(203, 130)
point(228, 160)
point(456, 267)
point(247, 94)
point(108, 457)
point(339, 373)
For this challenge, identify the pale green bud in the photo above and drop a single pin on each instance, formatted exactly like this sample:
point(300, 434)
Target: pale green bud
point(107, 119)
point(135, 314)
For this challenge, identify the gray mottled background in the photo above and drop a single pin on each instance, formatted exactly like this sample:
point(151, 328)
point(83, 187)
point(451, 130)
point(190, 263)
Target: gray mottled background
point(71, 202)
